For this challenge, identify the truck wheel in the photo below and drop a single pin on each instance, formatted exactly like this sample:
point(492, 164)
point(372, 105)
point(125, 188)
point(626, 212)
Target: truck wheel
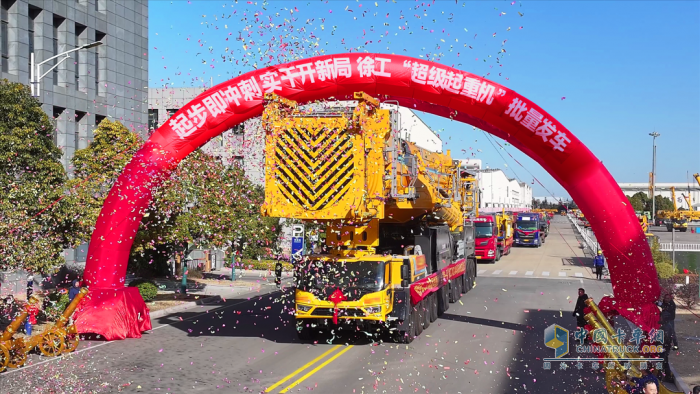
point(451, 292)
point(442, 298)
point(433, 306)
point(498, 254)
point(407, 335)
point(304, 329)
point(418, 318)
point(426, 313)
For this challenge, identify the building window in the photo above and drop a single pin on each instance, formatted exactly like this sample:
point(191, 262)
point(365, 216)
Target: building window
point(57, 111)
point(57, 21)
point(171, 112)
point(152, 120)
point(79, 31)
point(4, 41)
point(99, 36)
point(99, 119)
point(79, 115)
point(97, 5)
point(33, 14)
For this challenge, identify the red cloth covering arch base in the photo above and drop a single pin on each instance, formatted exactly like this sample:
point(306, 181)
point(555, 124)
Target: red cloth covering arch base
point(114, 312)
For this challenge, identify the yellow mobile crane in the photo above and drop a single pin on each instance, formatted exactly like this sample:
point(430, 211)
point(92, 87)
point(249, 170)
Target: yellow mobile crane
point(677, 220)
point(399, 234)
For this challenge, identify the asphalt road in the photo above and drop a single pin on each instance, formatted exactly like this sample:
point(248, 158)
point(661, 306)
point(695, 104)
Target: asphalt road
point(665, 236)
point(490, 342)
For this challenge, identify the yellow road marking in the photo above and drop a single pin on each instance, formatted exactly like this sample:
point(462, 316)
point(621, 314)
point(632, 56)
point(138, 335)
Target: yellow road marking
point(307, 365)
point(313, 371)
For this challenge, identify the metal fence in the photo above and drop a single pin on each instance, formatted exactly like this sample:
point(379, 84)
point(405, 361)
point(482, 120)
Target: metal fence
point(678, 247)
point(589, 241)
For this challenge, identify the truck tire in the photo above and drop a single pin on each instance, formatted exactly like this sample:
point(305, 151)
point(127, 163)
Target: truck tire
point(433, 306)
point(498, 254)
point(407, 335)
point(304, 329)
point(418, 319)
point(442, 298)
point(451, 298)
point(426, 313)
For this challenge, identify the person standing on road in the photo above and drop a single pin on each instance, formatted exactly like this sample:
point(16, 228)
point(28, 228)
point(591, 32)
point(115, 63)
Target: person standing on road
point(278, 273)
point(74, 290)
point(666, 327)
point(599, 263)
point(668, 305)
point(580, 305)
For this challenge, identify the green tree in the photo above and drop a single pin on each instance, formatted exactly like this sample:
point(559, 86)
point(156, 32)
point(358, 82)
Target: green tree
point(639, 201)
point(203, 204)
point(662, 203)
point(34, 229)
point(96, 168)
point(663, 263)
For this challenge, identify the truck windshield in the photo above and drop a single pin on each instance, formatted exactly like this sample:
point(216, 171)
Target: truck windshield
point(365, 275)
point(527, 225)
point(484, 230)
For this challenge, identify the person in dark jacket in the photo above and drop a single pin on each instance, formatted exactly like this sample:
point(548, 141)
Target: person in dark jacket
point(580, 305)
point(666, 327)
point(668, 305)
point(599, 263)
point(74, 290)
point(278, 273)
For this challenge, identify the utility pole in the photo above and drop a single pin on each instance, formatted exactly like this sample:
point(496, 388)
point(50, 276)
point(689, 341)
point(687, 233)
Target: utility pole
point(653, 177)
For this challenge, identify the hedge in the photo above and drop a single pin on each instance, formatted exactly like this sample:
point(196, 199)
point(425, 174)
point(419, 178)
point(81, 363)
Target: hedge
point(148, 291)
point(264, 265)
point(147, 288)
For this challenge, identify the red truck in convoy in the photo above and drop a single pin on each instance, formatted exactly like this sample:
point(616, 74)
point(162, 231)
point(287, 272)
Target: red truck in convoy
point(494, 236)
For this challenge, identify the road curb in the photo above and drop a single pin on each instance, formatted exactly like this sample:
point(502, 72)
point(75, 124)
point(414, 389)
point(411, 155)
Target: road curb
point(184, 306)
point(677, 380)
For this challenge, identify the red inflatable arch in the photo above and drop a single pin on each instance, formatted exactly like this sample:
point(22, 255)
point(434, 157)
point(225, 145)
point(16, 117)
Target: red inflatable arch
point(117, 312)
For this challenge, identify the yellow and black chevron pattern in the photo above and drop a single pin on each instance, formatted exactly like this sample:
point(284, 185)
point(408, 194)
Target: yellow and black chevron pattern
point(314, 163)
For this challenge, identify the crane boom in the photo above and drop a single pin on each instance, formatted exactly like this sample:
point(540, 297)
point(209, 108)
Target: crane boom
point(398, 237)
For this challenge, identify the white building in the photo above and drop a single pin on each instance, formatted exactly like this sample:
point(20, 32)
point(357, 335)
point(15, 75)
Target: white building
point(664, 189)
point(497, 192)
point(243, 145)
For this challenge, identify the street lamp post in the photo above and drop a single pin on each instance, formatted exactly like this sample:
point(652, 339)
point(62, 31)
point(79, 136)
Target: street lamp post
point(35, 69)
point(653, 178)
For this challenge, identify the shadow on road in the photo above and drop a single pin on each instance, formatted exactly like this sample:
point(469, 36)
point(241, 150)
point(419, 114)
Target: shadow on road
point(527, 370)
point(484, 322)
point(270, 316)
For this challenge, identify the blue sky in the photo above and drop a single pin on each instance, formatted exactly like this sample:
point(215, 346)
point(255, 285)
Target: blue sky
point(611, 72)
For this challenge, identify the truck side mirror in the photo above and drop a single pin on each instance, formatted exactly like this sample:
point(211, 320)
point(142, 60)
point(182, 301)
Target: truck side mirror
point(405, 272)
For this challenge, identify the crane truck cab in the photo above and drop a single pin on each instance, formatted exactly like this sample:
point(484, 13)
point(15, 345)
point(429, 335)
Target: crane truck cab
point(486, 234)
point(528, 230)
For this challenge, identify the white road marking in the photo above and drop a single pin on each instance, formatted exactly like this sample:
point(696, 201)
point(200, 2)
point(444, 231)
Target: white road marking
point(545, 273)
point(512, 272)
point(579, 275)
point(529, 273)
point(562, 274)
point(481, 272)
point(497, 272)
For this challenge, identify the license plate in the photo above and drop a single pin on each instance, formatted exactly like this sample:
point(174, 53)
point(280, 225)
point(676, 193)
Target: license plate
point(526, 240)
